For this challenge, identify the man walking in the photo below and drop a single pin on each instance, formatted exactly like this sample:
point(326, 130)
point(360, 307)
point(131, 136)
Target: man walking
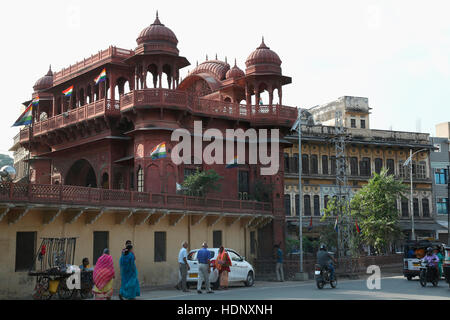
point(184, 266)
point(204, 270)
point(279, 266)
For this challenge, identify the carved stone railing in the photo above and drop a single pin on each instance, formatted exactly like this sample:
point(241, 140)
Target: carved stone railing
point(74, 195)
point(215, 108)
point(88, 111)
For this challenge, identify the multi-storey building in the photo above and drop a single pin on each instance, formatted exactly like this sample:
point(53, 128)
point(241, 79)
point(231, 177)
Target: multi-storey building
point(440, 163)
point(367, 151)
point(92, 175)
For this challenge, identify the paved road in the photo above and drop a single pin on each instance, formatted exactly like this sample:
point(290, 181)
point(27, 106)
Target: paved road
point(392, 287)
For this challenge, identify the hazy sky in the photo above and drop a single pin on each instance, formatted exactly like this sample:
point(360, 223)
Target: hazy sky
point(396, 53)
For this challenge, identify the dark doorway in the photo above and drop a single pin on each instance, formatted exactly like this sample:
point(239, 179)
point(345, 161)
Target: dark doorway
point(101, 242)
point(81, 174)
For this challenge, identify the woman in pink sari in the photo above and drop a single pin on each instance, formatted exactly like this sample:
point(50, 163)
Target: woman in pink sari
point(104, 277)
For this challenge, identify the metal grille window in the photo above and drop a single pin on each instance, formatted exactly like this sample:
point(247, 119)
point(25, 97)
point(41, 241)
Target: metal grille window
point(405, 208)
point(305, 164)
point(378, 165)
point(294, 165)
point(316, 205)
point(425, 208)
point(314, 164)
point(287, 204)
point(390, 166)
point(307, 205)
point(421, 170)
point(160, 246)
point(403, 170)
point(101, 242)
point(287, 167)
point(217, 238)
point(140, 180)
point(354, 166)
point(416, 207)
point(25, 250)
point(243, 181)
point(333, 165)
point(324, 164)
point(364, 167)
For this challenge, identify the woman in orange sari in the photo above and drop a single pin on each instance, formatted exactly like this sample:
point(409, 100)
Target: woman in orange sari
point(223, 265)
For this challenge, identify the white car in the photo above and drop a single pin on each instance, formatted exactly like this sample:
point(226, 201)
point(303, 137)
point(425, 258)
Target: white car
point(240, 270)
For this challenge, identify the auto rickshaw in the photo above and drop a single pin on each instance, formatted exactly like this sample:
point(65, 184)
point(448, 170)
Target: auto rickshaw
point(414, 251)
point(446, 265)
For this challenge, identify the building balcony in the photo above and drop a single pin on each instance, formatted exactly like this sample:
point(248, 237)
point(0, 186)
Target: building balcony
point(181, 100)
point(23, 195)
point(96, 109)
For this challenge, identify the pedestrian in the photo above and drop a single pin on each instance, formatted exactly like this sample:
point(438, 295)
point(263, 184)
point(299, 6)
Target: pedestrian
point(438, 253)
point(184, 266)
point(129, 288)
point(223, 266)
point(103, 277)
point(203, 258)
point(279, 266)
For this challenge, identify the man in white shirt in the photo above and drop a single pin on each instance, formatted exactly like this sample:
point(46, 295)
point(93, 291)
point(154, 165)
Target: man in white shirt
point(184, 266)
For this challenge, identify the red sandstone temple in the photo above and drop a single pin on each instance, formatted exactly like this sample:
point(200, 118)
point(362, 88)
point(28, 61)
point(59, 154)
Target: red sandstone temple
point(93, 148)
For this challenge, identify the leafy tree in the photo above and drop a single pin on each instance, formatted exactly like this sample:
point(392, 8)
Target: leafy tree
point(202, 182)
point(375, 208)
point(6, 160)
point(261, 191)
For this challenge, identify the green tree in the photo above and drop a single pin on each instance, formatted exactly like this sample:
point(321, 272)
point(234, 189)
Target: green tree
point(202, 182)
point(6, 160)
point(374, 206)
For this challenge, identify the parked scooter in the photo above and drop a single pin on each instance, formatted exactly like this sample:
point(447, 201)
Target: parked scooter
point(322, 276)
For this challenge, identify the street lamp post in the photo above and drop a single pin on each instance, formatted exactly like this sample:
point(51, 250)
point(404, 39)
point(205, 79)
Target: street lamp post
point(409, 162)
point(298, 126)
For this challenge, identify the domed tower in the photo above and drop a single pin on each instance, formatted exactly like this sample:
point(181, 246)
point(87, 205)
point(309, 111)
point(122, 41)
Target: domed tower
point(157, 53)
point(44, 108)
point(263, 73)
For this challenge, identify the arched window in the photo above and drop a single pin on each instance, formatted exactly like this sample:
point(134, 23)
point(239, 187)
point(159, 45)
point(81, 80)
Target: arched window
point(325, 201)
point(425, 207)
point(324, 164)
point(354, 166)
point(140, 180)
point(307, 205)
point(287, 204)
point(316, 205)
point(416, 207)
point(305, 164)
point(297, 205)
point(314, 164)
point(378, 165)
point(405, 208)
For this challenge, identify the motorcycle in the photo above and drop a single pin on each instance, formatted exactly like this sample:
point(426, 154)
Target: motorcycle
point(322, 276)
point(428, 273)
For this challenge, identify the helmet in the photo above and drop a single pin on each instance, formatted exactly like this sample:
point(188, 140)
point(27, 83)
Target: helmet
point(323, 247)
point(429, 250)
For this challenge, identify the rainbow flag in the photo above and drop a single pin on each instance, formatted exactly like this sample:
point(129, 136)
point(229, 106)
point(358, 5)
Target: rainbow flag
point(159, 151)
point(68, 91)
point(101, 77)
point(35, 101)
point(26, 117)
point(357, 227)
point(233, 163)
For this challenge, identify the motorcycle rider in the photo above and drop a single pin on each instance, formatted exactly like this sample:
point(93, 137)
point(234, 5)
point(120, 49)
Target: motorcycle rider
point(432, 259)
point(324, 259)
